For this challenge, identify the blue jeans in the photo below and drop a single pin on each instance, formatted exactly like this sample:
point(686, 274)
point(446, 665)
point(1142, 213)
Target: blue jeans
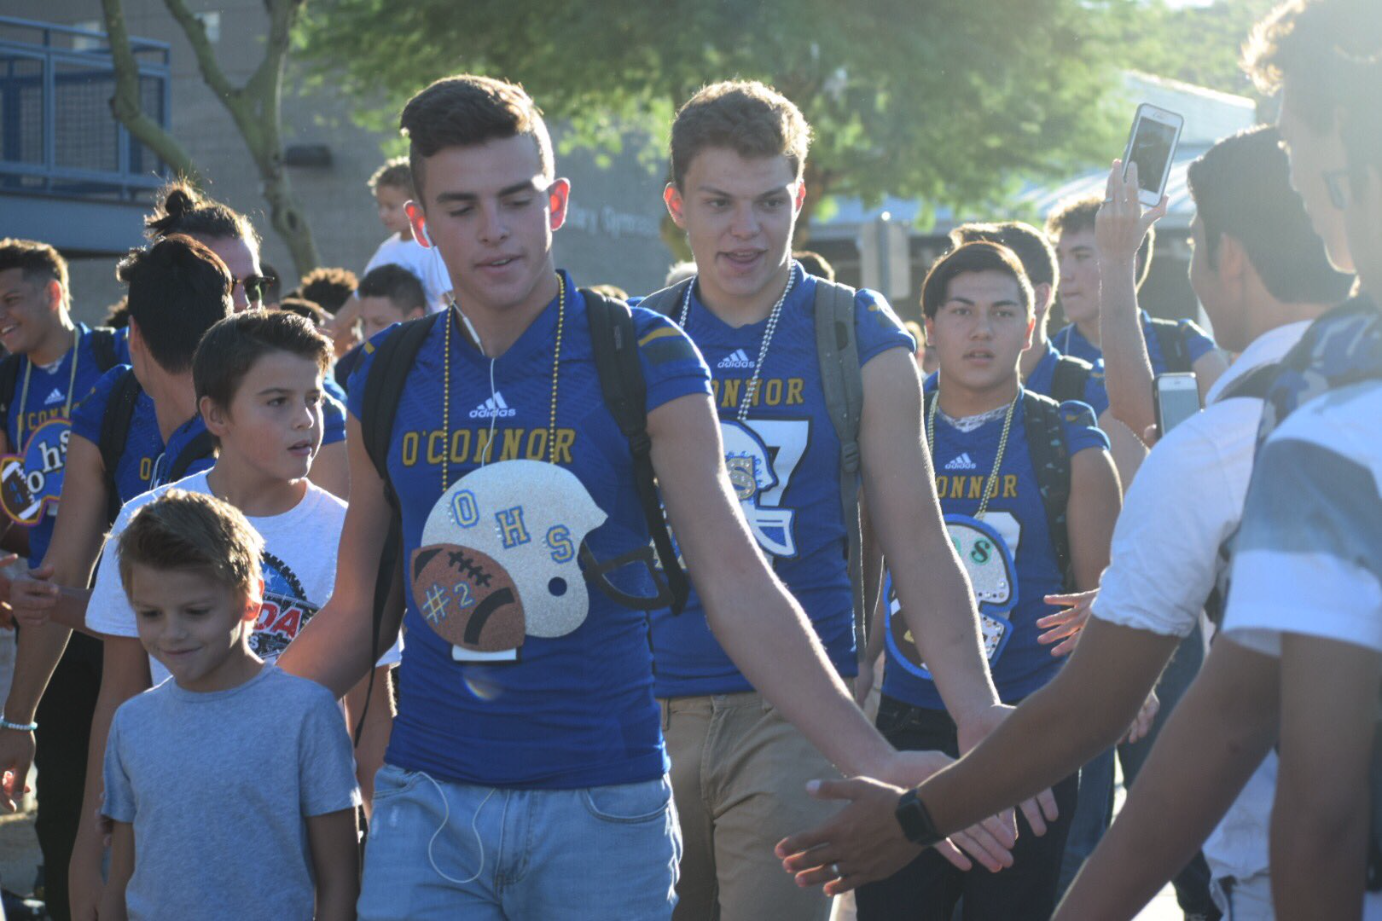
point(439, 849)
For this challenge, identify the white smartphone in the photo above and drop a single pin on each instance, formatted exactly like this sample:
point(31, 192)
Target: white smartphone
point(1177, 398)
point(1152, 146)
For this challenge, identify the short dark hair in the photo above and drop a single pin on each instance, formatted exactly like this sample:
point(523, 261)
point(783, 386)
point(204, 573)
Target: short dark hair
point(1077, 213)
point(182, 209)
point(467, 110)
point(188, 530)
point(178, 288)
point(981, 256)
point(329, 288)
point(397, 284)
point(750, 118)
point(234, 345)
point(815, 264)
point(396, 173)
point(118, 314)
point(1030, 245)
point(38, 261)
point(1304, 47)
point(308, 310)
point(1242, 188)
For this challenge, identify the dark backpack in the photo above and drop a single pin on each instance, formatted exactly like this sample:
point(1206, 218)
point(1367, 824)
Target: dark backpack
point(615, 346)
point(1175, 351)
point(837, 354)
point(1070, 379)
point(115, 431)
point(1051, 463)
point(102, 348)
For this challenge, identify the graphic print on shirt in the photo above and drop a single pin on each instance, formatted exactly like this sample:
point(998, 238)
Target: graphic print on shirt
point(498, 559)
point(761, 457)
point(987, 549)
point(285, 610)
point(31, 481)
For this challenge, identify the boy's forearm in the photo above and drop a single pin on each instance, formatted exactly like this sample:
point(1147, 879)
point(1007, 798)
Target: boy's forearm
point(1127, 366)
point(332, 841)
point(37, 653)
point(1079, 714)
point(1220, 731)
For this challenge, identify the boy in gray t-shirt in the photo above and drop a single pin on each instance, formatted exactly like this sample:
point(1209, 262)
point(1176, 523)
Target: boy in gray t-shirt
point(232, 786)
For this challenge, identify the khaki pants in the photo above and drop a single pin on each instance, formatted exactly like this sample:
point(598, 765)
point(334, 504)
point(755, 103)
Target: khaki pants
point(739, 773)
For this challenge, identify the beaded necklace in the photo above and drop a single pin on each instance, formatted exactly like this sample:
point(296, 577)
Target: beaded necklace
point(451, 320)
point(24, 392)
point(752, 389)
point(991, 487)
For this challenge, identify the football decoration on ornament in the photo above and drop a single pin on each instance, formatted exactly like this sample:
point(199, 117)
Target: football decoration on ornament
point(467, 598)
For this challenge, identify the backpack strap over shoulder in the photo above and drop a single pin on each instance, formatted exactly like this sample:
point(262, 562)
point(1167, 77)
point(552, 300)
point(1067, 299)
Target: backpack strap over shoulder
point(1051, 461)
point(837, 352)
point(1069, 380)
point(115, 430)
point(103, 348)
point(1254, 384)
point(199, 448)
point(9, 388)
point(614, 342)
point(1171, 337)
point(666, 301)
point(383, 389)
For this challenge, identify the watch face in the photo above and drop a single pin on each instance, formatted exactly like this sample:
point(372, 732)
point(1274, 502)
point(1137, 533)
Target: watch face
point(916, 822)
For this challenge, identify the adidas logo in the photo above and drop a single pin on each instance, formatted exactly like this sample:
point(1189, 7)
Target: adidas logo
point(736, 359)
point(57, 396)
point(493, 408)
point(962, 463)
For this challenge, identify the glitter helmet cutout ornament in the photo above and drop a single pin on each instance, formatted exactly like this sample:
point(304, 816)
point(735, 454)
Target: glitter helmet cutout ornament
point(751, 474)
point(993, 575)
point(498, 559)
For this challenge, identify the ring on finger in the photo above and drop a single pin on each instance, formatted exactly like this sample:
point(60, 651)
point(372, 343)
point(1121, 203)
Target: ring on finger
point(835, 871)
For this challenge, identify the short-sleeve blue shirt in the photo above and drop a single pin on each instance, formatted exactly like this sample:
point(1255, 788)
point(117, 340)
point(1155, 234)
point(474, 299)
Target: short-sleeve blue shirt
point(963, 461)
point(572, 705)
point(1073, 342)
point(784, 463)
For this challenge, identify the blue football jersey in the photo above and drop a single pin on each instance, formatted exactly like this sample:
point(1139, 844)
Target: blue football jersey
point(146, 461)
point(38, 433)
point(518, 671)
point(1042, 380)
point(1073, 342)
point(1013, 535)
point(784, 464)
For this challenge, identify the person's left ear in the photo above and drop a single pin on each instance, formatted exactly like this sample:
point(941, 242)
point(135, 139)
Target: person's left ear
point(418, 221)
point(254, 602)
point(558, 196)
point(800, 198)
point(1031, 328)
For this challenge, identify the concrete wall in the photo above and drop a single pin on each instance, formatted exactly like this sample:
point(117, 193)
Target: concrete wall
point(612, 237)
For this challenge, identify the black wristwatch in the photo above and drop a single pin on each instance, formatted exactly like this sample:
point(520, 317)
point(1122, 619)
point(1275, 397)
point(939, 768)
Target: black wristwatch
point(916, 823)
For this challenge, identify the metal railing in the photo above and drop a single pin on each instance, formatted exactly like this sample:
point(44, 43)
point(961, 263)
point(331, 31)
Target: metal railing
point(58, 135)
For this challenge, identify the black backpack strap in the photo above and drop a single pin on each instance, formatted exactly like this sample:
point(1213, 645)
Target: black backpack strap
point(1174, 350)
point(1254, 384)
point(115, 430)
point(1069, 380)
point(383, 388)
point(614, 343)
point(668, 301)
point(9, 387)
point(103, 348)
point(837, 352)
point(199, 448)
point(1051, 462)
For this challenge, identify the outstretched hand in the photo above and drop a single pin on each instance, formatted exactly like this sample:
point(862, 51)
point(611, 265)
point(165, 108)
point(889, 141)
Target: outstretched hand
point(33, 597)
point(1064, 626)
point(1121, 223)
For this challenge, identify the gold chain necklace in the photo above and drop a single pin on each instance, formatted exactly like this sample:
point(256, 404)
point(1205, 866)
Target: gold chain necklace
point(991, 486)
point(24, 392)
point(446, 387)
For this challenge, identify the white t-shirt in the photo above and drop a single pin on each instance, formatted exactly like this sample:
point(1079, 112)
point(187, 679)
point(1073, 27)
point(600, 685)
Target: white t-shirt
point(299, 565)
point(422, 261)
point(1186, 500)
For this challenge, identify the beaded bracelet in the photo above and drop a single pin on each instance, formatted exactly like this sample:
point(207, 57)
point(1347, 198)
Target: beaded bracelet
point(17, 727)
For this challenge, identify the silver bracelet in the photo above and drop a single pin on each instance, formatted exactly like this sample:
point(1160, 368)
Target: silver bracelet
point(17, 727)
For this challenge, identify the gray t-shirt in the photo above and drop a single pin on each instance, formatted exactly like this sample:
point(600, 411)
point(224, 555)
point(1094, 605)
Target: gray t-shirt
point(218, 787)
